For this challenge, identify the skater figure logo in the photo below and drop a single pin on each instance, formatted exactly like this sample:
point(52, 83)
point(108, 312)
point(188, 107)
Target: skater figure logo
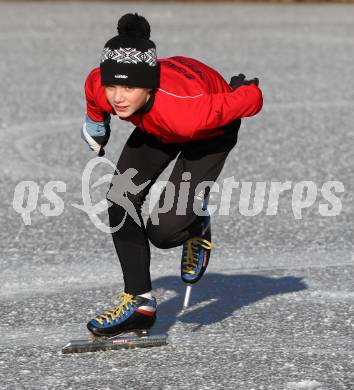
point(121, 184)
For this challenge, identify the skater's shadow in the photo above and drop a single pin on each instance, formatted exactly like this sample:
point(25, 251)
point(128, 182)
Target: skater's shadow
point(217, 296)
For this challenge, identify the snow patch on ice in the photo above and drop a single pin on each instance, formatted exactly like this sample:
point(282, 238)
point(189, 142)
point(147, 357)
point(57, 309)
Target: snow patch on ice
point(305, 384)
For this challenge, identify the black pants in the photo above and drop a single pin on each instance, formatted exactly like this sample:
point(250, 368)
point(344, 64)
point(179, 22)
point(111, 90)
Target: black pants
point(204, 159)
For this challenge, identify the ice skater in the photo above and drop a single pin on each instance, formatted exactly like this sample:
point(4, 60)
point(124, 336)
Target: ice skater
point(182, 108)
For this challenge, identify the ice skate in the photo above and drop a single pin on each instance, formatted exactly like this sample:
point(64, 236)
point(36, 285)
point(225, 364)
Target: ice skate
point(196, 254)
point(127, 325)
point(131, 313)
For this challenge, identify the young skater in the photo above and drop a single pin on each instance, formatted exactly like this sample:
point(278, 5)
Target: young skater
point(180, 108)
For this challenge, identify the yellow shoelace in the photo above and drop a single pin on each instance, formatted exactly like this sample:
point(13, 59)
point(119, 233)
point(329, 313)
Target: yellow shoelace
point(190, 260)
point(124, 299)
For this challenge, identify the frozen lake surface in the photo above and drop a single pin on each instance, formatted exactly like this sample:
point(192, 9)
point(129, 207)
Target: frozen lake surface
point(276, 307)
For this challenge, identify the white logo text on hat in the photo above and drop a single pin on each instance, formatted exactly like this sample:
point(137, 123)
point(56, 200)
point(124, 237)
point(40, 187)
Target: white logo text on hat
point(120, 76)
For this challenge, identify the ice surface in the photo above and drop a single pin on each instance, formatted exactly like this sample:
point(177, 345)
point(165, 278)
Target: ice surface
point(275, 309)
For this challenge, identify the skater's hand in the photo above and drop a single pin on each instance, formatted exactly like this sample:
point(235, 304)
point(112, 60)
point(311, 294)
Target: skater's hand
point(240, 79)
point(96, 134)
point(237, 81)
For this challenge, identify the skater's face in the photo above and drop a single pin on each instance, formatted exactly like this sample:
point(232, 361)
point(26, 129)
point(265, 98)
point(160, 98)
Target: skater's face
point(125, 100)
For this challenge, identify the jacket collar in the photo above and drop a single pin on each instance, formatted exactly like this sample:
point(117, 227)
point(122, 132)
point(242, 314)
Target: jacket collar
point(147, 106)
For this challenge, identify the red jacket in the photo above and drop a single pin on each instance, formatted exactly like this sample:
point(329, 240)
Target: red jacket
point(193, 101)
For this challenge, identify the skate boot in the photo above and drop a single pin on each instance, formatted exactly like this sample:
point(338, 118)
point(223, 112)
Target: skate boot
point(196, 254)
point(132, 314)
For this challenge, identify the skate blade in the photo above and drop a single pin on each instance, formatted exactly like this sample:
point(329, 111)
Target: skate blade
point(113, 343)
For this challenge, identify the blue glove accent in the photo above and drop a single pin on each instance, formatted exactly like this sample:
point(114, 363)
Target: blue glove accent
point(96, 134)
point(97, 129)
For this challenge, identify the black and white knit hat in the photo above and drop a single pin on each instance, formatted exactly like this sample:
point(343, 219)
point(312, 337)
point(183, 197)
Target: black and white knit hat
point(130, 57)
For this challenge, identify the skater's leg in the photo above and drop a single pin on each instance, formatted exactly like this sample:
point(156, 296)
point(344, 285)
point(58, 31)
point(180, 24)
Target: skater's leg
point(149, 157)
point(146, 158)
point(204, 159)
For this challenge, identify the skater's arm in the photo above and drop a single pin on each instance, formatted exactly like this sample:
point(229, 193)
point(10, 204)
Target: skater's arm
point(187, 115)
point(93, 110)
point(96, 127)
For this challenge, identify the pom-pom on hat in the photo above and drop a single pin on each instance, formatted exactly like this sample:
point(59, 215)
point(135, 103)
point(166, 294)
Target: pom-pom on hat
point(130, 57)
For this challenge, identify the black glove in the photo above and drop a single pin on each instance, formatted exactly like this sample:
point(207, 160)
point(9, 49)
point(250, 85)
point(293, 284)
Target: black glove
point(252, 81)
point(237, 81)
point(240, 79)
